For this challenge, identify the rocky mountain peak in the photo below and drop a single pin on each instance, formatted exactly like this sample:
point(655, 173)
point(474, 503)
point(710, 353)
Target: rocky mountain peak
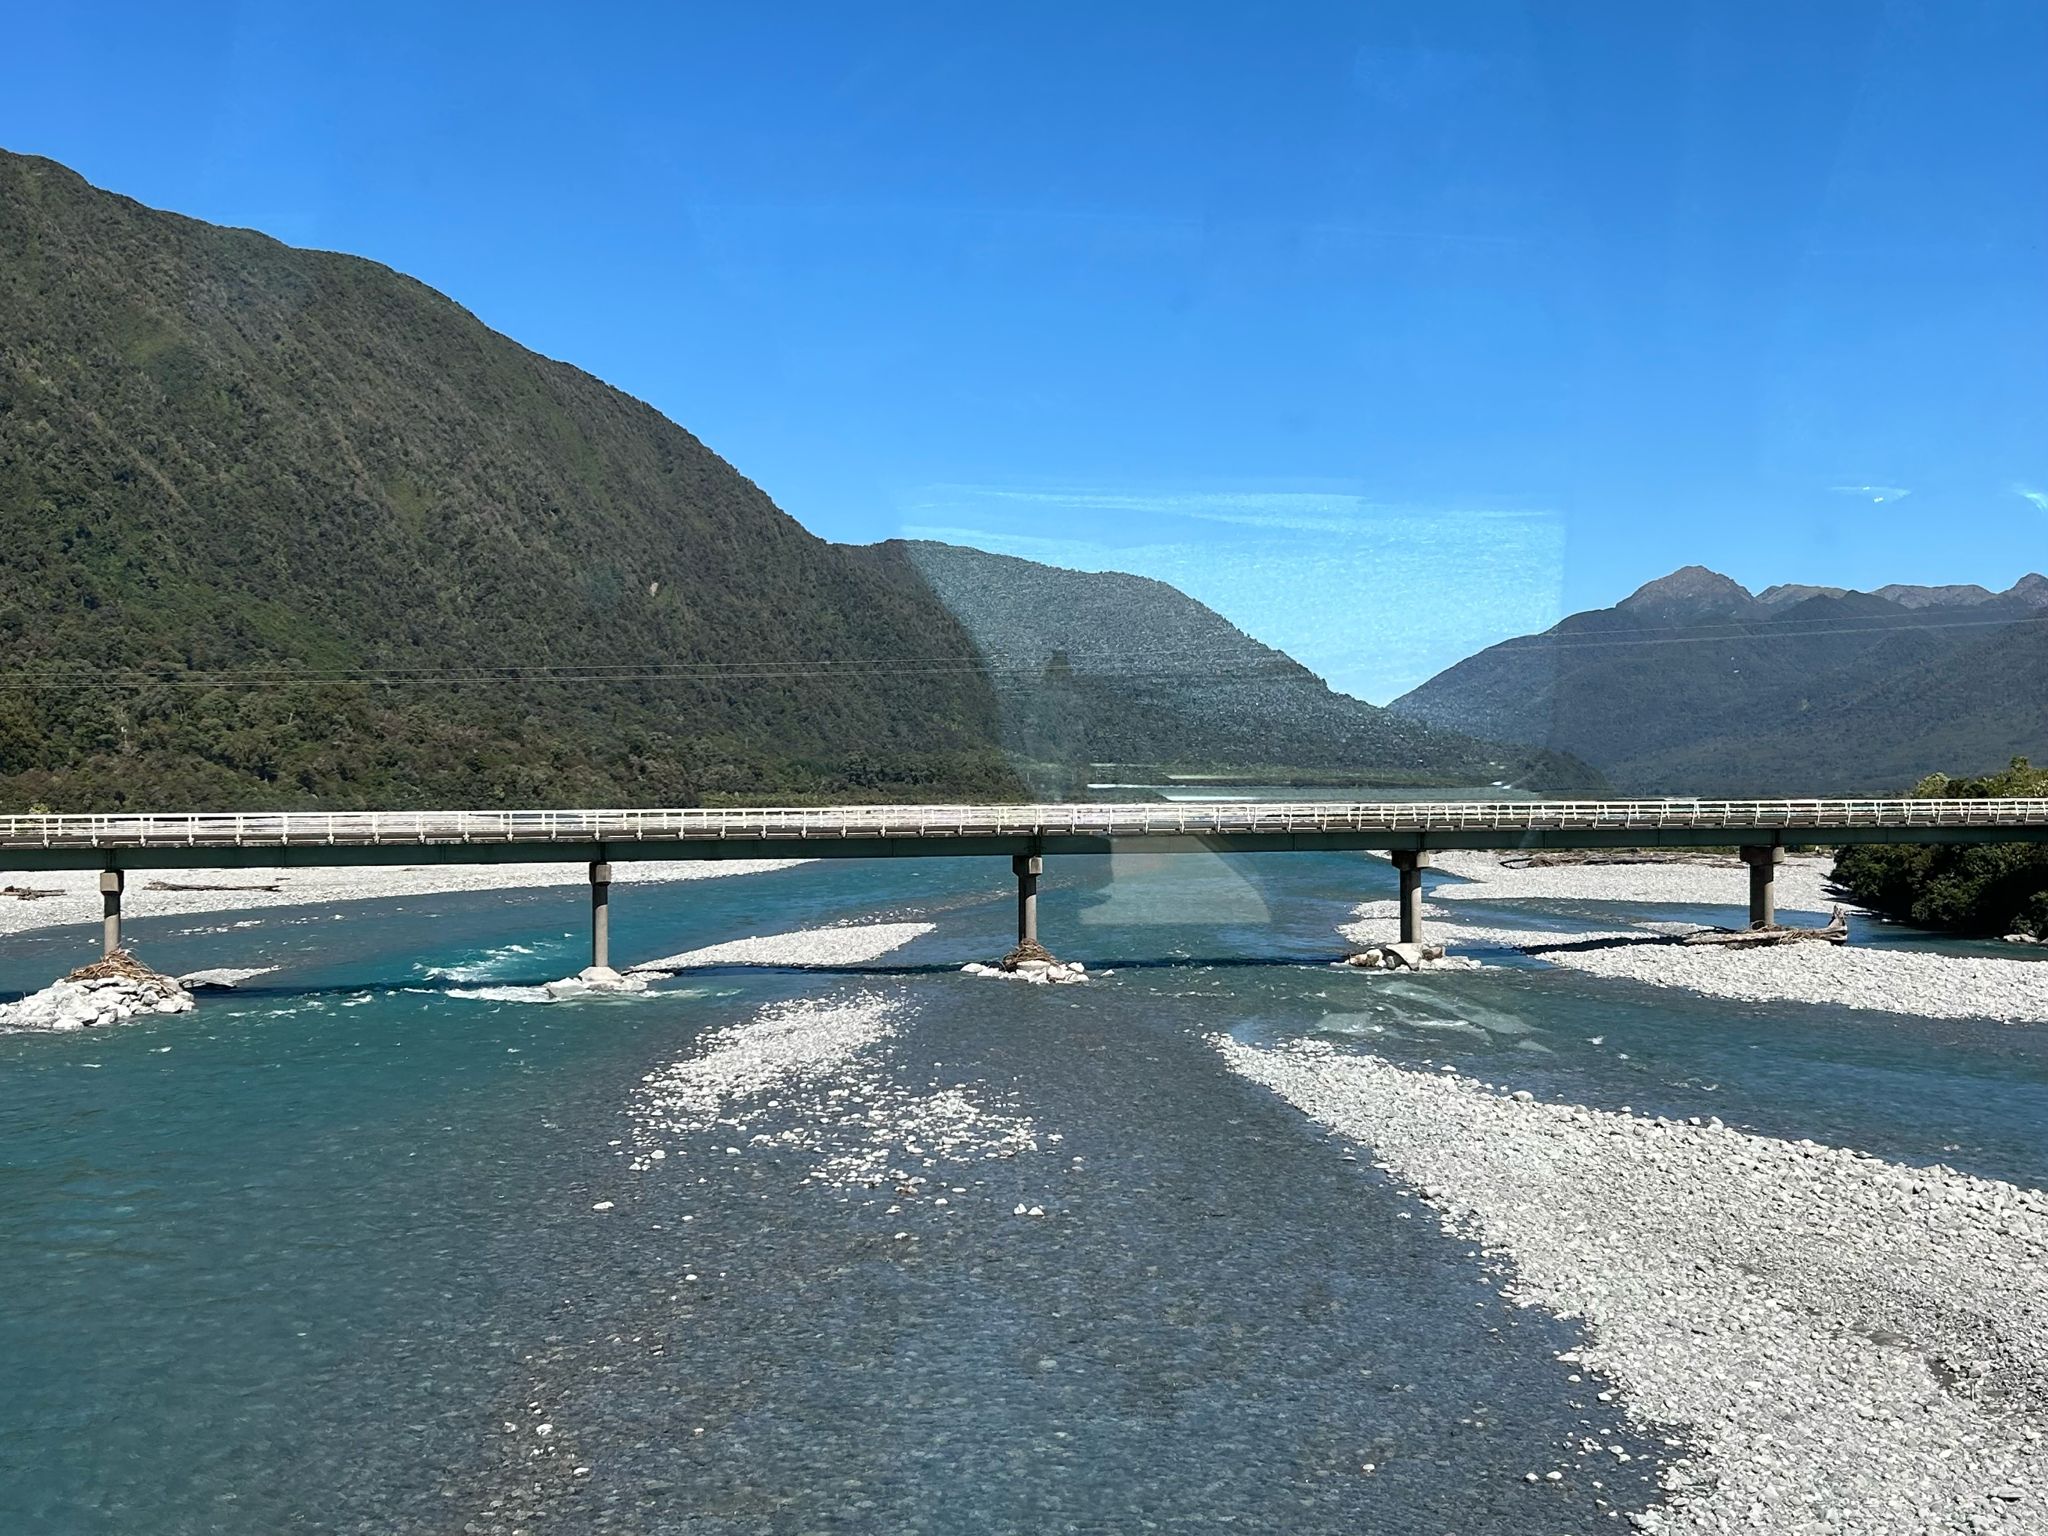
point(1690, 591)
point(2031, 588)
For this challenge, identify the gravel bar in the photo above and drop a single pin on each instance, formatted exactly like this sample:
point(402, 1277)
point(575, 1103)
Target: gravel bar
point(850, 944)
point(1849, 1345)
point(1921, 984)
point(314, 886)
point(1802, 882)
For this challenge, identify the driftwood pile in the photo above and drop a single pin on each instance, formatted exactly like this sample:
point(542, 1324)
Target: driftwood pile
point(1030, 953)
point(172, 885)
point(1836, 932)
point(119, 966)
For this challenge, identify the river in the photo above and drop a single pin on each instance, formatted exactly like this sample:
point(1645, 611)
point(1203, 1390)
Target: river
point(329, 1253)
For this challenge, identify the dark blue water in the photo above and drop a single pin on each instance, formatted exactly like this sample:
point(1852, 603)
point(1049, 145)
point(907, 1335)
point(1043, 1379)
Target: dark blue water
point(294, 1262)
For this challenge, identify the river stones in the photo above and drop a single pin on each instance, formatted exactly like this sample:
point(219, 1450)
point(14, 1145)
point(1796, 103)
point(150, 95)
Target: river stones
point(1408, 957)
point(108, 991)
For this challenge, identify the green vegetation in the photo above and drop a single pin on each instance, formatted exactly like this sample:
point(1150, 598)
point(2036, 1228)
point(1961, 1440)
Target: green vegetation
point(1993, 888)
point(284, 528)
point(281, 528)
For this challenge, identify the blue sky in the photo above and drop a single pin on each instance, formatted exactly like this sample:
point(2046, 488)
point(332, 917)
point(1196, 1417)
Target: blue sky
point(1388, 329)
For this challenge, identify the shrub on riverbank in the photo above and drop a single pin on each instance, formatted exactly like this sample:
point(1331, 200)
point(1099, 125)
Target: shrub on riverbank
point(1988, 888)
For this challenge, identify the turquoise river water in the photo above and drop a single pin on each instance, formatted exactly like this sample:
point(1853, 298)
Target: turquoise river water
point(318, 1256)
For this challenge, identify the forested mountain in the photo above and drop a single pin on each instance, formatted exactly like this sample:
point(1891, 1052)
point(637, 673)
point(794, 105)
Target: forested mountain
point(287, 528)
point(284, 527)
point(1105, 667)
point(1693, 685)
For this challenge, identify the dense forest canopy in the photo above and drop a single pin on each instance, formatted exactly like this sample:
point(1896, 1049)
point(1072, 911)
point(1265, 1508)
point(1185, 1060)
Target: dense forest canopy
point(288, 528)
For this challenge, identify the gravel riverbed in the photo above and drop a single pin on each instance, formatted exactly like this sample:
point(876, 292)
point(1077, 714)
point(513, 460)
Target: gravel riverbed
point(78, 898)
point(1919, 983)
point(863, 1127)
point(1928, 986)
point(850, 944)
point(1848, 1345)
point(1802, 881)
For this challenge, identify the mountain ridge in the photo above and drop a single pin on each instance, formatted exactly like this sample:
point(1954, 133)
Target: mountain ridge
point(289, 528)
point(1202, 691)
point(1699, 687)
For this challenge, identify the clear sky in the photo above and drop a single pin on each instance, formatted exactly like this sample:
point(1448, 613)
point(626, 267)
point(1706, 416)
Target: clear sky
point(1389, 329)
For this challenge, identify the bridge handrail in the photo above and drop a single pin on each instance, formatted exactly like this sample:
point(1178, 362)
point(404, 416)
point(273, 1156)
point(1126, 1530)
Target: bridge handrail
point(1151, 818)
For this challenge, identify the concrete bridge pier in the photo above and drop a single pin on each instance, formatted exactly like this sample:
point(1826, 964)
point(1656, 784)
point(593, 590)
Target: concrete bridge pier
point(1027, 867)
point(111, 882)
point(600, 913)
point(1411, 863)
point(1763, 893)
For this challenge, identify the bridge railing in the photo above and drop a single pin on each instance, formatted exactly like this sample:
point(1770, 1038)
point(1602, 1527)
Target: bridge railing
point(800, 824)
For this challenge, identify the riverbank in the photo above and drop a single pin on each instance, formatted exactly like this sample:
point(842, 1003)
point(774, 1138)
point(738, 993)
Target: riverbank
point(231, 890)
point(1693, 880)
point(1843, 1343)
point(1921, 983)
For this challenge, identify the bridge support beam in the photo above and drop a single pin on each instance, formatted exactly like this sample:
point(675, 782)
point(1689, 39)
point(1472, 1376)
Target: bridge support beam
point(1410, 863)
point(600, 914)
point(1027, 867)
point(1763, 884)
point(111, 882)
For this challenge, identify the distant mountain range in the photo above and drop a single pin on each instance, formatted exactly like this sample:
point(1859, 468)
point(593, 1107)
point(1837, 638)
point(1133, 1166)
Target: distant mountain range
point(1695, 685)
point(286, 528)
point(1096, 668)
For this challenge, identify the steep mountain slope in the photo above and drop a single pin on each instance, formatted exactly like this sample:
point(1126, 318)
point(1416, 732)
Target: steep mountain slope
point(1690, 685)
point(1105, 667)
point(285, 527)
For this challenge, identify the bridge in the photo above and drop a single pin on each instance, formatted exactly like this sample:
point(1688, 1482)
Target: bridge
point(1407, 831)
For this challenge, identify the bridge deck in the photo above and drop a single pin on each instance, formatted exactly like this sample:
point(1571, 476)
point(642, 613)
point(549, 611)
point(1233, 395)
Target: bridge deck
point(389, 837)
